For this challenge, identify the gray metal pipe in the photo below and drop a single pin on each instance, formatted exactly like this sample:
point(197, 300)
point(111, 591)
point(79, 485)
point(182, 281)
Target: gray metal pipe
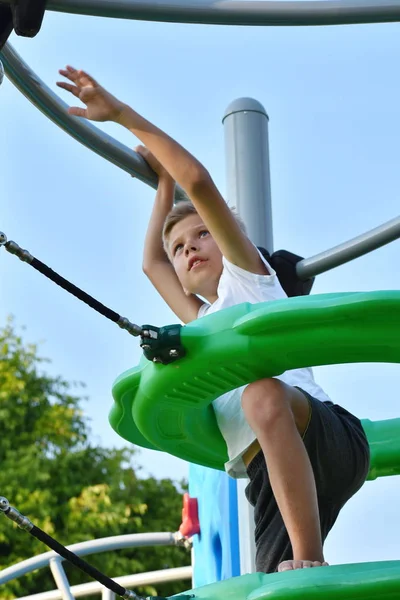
point(55, 109)
point(236, 12)
point(343, 253)
point(27, 82)
point(94, 588)
point(60, 578)
point(249, 190)
point(117, 542)
point(247, 165)
point(107, 594)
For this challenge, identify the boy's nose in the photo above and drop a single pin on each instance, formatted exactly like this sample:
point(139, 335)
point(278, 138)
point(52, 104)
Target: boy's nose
point(190, 247)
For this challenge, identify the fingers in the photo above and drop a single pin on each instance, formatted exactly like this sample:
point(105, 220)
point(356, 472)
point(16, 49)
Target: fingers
point(85, 79)
point(142, 150)
point(80, 78)
point(69, 87)
point(77, 112)
point(69, 73)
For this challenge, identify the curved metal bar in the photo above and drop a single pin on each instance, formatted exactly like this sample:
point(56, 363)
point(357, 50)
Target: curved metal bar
point(237, 12)
point(343, 253)
point(132, 540)
point(27, 82)
point(83, 590)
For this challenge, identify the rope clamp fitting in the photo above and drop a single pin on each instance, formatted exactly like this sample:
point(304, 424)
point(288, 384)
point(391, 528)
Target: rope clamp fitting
point(162, 344)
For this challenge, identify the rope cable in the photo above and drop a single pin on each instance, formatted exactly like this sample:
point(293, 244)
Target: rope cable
point(66, 285)
point(24, 523)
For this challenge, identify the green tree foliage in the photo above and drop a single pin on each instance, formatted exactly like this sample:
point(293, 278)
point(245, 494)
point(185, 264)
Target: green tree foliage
point(71, 489)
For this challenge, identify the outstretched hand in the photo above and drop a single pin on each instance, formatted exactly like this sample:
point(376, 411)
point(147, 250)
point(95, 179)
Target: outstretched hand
point(100, 104)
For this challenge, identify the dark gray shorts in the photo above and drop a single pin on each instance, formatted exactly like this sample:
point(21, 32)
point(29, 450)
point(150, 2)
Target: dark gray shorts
point(339, 455)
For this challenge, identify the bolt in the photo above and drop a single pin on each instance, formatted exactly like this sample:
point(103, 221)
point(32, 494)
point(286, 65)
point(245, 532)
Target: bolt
point(173, 352)
point(4, 504)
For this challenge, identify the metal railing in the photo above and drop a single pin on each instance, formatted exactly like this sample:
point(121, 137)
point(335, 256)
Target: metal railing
point(55, 109)
point(65, 592)
point(123, 157)
point(354, 248)
point(236, 12)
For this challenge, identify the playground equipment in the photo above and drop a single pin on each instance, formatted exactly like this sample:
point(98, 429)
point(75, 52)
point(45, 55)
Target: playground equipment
point(184, 423)
point(168, 407)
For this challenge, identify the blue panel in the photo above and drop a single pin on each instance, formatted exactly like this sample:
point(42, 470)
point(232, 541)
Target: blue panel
point(216, 549)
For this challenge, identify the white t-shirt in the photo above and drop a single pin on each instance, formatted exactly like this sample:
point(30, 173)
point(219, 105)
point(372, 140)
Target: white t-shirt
point(236, 286)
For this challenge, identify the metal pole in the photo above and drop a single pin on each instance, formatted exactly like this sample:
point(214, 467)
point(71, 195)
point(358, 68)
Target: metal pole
point(94, 588)
point(236, 12)
point(29, 84)
point(60, 578)
point(247, 163)
point(358, 246)
point(133, 540)
point(249, 189)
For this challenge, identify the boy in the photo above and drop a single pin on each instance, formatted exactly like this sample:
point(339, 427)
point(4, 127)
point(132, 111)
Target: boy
point(305, 456)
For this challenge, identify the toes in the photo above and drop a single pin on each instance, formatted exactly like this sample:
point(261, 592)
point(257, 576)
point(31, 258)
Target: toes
point(293, 565)
point(289, 565)
point(285, 566)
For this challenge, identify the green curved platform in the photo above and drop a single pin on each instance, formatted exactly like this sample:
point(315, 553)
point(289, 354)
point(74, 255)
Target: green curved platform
point(168, 407)
point(365, 581)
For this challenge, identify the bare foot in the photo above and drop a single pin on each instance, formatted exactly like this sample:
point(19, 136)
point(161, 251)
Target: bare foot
point(292, 565)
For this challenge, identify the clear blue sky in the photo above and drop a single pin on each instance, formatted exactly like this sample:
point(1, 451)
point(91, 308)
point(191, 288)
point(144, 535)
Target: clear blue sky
point(332, 95)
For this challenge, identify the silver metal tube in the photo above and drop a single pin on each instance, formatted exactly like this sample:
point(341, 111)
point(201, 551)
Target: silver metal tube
point(127, 581)
point(60, 578)
point(107, 594)
point(236, 12)
point(249, 190)
point(90, 547)
point(247, 166)
point(343, 253)
point(27, 82)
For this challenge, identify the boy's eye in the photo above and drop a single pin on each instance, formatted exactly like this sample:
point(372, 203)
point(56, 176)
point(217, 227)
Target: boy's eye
point(203, 233)
point(177, 247)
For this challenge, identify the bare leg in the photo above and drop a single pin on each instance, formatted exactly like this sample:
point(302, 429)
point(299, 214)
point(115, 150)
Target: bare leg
point(278, 415)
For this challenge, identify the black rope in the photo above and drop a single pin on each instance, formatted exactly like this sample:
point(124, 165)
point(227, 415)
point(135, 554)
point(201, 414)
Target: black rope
point(74, 290)
point(66, 285)
point(80, 563)
point(24, 523)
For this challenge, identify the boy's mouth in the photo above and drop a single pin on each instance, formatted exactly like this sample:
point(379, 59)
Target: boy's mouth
point(194, 262)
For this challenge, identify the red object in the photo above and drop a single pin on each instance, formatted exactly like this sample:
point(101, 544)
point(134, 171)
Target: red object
point(190, 517)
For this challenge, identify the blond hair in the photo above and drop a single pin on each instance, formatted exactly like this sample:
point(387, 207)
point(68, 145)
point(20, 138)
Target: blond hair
point(180, 211)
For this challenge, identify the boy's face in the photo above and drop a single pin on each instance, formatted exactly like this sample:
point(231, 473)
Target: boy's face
point(195, 256)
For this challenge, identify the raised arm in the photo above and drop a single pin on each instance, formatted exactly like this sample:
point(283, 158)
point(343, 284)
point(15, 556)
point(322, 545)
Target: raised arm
point(178, 162)
point(156, 264)
point(192, 176)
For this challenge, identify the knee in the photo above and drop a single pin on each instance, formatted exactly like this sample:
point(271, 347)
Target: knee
point(265, 401)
